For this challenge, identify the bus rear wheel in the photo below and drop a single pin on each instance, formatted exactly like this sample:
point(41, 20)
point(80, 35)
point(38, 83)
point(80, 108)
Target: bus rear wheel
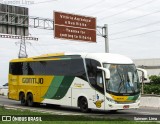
point(83, 104)
point(30, 99)
point(22, 99)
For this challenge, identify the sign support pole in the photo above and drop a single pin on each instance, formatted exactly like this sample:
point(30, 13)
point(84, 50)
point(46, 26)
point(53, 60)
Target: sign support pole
point(106, 38)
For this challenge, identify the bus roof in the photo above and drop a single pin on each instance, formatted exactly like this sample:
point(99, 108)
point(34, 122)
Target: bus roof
point(110, 58)
point(41, 57)
point(101, 57)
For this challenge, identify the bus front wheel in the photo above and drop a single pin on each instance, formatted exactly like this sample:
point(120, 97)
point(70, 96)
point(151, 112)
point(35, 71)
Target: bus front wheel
point(83, 104)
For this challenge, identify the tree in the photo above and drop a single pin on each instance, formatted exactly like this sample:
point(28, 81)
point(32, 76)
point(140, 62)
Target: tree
point(154, 79)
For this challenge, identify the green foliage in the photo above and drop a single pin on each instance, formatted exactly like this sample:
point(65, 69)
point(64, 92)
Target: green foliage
point(152, 89)
point(154, 86)
point(154, 79)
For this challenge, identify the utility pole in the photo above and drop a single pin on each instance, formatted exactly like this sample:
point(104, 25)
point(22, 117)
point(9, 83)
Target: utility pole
point(106, 38)
point(22, 50)
point(142, 83)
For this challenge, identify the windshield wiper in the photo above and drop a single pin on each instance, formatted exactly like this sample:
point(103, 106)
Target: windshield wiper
point(121, 85)
point(133, 90)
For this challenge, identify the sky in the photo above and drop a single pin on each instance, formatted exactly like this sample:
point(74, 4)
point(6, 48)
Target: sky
point(133, 29)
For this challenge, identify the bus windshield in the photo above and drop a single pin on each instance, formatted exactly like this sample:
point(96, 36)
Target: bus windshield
point(123, 79)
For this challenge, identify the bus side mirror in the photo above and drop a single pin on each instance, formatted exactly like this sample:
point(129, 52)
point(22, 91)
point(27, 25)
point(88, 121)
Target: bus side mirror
point(107, 72)
point(144, 73)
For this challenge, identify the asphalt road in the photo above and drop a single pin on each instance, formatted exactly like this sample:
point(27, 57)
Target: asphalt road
point(64, 110)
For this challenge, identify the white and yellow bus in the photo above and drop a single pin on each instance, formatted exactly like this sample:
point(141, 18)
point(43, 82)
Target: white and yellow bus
point(90, 81)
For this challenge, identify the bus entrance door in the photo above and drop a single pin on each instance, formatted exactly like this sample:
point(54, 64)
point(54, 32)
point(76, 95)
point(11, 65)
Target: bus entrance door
point(100, 97)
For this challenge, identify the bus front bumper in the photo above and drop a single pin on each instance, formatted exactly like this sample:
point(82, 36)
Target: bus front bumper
point(117, 106)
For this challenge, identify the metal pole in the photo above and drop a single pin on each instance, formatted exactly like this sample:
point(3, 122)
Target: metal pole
point(22, 50)
point(142, 83)
point(106, 38)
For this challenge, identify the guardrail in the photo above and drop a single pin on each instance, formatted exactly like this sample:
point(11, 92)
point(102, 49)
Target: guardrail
point(150, 100)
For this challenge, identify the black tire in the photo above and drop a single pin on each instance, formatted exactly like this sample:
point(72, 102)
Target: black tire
point(30, 101)
point(22, 99)
point(53, 105)
point(83, 104)
point(36, 104)
point(113, 111)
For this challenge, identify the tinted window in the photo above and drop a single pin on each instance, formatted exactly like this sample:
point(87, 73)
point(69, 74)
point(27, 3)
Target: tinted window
point(70, 67)
point(16, 68)
point(77, 68)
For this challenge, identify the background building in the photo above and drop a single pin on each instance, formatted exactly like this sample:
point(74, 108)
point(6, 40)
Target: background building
point(151, 65)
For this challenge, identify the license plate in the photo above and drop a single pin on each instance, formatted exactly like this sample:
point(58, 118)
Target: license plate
point(126, 106)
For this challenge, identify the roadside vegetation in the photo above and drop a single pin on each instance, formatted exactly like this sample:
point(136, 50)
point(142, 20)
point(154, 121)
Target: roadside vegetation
point(63, 119)
point(154, 86)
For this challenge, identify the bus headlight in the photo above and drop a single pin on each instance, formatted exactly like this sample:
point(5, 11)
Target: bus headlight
point(111, 100)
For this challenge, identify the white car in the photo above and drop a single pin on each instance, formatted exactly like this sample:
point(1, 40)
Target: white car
point(4, 90)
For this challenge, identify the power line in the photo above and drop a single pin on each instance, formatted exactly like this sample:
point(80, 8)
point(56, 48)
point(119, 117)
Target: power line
point(118, 5)
point(44, 33)
point(131, 29)
point(58, 44)
point(37, 44)
point(135, 18)
point(30, 51)
point(89, 6)
point(62, 43)
point(36, 51)
point(146, 3)
point(135, 35)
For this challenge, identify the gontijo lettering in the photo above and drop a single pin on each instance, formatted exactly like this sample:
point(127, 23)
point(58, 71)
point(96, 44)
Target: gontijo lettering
point(33, 80)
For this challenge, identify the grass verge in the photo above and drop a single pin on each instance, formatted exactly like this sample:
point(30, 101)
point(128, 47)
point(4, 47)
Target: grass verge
point(59, 119)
